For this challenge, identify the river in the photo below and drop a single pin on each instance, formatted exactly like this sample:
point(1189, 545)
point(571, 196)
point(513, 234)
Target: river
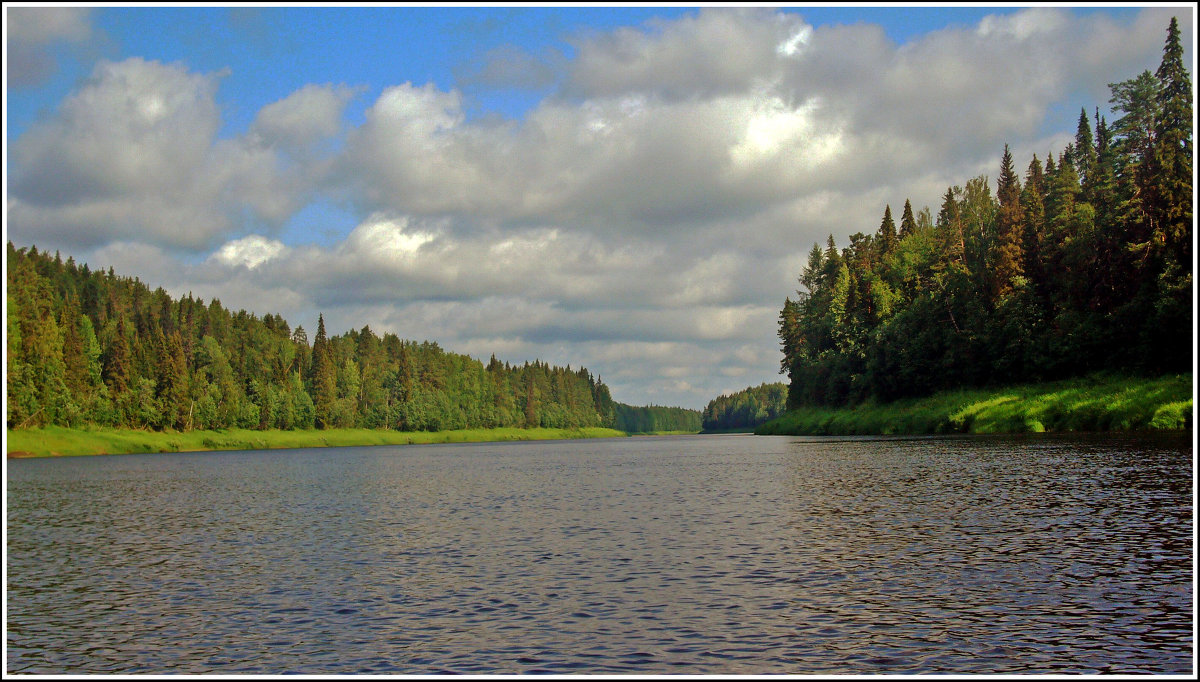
point(661, 555)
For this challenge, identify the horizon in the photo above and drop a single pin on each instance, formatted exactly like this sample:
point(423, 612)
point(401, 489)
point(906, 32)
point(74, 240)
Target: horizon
point(609, 188)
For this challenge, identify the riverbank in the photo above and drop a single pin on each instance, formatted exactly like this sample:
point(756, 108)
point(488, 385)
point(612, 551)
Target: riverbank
point(56, 441)
point(1093, 403)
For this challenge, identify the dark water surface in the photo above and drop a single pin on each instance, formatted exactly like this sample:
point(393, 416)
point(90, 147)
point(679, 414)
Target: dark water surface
point(696, 555)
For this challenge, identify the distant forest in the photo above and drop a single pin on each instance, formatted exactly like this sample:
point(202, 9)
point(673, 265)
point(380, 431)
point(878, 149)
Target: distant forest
point(1085, 265)
point(747, 408)
point(94, 348)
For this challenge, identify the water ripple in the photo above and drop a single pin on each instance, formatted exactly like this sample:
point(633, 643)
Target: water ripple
point(700, 555)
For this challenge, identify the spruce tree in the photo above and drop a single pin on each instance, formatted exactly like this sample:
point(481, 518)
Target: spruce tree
point(1033, 234)
point(887, 232)
point(949, 226)
point(908, 224)
point(1171, 235)
point(1008, 254)
point(1085, 151)
point(324, 379)
point(117, 361)
point(1134, 134)
point(1173, 152)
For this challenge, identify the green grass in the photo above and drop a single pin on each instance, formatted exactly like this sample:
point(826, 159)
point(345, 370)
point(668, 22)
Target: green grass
point(1094, 403)
point(53, 441)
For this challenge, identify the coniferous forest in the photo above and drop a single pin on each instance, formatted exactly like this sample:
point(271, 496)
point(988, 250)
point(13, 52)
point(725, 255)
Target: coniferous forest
point(747, 408)
point(93, 348)
point(1082, 263)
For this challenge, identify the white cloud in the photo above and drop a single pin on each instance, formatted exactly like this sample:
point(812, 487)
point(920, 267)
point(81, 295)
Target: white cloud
point(133, 154)
point(795, 43)
point(250, 251)
point(1022, 26)
point(712, 53)
point(309, 115)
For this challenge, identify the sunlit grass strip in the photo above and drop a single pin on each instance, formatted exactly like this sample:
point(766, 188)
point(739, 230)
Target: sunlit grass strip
point(1094, 403)
point(52, 441)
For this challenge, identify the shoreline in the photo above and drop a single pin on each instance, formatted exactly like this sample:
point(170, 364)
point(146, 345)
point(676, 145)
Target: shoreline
point(1098, 403)
point(82, 442)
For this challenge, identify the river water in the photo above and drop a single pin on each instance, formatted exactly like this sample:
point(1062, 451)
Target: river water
point(665, 555)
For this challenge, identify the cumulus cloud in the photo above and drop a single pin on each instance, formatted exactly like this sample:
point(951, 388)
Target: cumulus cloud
point(133, 154)
point(32, 34)
point(668, 128)
point(619, 163)
point(714, 53)
point(250, 251)
point(303, 118)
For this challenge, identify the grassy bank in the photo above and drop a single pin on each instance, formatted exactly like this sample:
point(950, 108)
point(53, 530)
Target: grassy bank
point(53, 441)
point(1093, 403)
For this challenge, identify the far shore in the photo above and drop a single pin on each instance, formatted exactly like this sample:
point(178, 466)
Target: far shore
point(1098, 403)
point(57, 441)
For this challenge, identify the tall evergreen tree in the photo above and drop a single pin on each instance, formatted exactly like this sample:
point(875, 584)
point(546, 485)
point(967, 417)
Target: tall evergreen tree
point(908, 224)
point(324, 379)
point(1085, 151)
point(1008, 254)
point(887, 232)
point(1134, 135)
point(1173, 151)
point(949, 226)
point(117, 360)
point(1170, 247)
point(1034, 226)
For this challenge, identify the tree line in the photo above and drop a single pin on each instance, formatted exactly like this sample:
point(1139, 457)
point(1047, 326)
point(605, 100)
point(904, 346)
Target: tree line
point(651, 418)
point(90, 347)
point(747, 408)
point(1085, 264)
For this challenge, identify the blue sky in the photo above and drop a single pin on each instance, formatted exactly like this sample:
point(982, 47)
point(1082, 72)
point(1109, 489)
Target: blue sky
point(632, 189)
point(270, 52)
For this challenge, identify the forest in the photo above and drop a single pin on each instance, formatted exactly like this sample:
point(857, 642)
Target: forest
point(1082, 265)
point(91, 348)
point(747, 408)
point(655, 418)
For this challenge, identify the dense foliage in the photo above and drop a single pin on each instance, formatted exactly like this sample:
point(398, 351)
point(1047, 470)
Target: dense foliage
point(652, 418)
point(746, 408)
point(91, 348)
point(1097, 402)
point(1084, 265)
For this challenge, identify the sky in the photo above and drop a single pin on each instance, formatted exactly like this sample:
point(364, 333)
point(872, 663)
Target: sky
point(629, 189)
